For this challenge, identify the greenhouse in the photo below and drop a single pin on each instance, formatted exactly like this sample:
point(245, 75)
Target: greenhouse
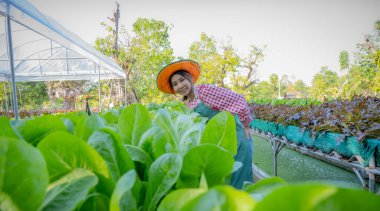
point(34, 47)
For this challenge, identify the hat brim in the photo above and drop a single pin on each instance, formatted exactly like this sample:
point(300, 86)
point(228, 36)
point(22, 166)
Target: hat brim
point(163, 77)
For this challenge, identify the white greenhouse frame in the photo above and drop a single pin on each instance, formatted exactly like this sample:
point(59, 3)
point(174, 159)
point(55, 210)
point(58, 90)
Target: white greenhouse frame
point(34, 47)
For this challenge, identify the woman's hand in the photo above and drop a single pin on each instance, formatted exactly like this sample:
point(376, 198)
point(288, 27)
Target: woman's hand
point(247, 131)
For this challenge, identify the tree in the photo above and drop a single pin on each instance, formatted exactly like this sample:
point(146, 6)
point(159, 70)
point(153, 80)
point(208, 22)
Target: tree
point(4, 96)
point(32, 95)
point(149, 51)
point(344, 60)
point(263, 90)
point(248, 73)
point(69, 91)
point(106, 45)
point(325, 84)
point(205, 53)
point(285, 86)
point(251, 63)
point(274, 82)
point(229, 62)
point(300, 86)
point(224, 67)
point(141, 55)
point(364, 70)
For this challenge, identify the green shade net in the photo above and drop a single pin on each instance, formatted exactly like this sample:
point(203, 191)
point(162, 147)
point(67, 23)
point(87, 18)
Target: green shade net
point(294, 134)
point(326, 141)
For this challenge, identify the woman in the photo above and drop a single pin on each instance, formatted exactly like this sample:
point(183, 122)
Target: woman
point(208, 100)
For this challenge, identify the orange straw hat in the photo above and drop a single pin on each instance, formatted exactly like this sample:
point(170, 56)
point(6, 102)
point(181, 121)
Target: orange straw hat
point(164, 75)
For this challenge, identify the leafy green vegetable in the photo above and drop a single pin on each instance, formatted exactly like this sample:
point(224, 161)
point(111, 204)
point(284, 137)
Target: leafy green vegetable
point(183, 123)
point(23, 177)
point(88, 125)
point(108, 144)
point(318, 197)
point(213, 161)
point(74, 120)
point(163, 174)
point(222, 198)
point(70, 190)
point(69, 125)
point(34, 130)
point(138, 155)
point(156, 142)
point(163, 120)
point(141, 159)
point(111, 117)
point(127, 193)
point(177, 199)
point(64, 152)
point(7, 129)
point(264, 186)
point(166, 149)
point(134, 121)
point(95, 201)
point(221, 131)
point(349, 199)
point(190, 138)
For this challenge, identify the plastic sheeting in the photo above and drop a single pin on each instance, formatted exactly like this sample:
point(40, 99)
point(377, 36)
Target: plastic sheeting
point(43, 50)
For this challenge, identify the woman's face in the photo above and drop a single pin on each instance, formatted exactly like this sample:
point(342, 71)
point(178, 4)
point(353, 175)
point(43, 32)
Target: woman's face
point(181, 85)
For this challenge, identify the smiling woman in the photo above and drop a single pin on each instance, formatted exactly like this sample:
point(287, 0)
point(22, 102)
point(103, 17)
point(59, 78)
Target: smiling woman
point(180, 83)
point(208, 100)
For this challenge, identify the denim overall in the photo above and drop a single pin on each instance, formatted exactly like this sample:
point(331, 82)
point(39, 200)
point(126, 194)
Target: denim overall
point(244, 149)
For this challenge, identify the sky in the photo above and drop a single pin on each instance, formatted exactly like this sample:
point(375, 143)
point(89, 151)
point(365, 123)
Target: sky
point(300, 36)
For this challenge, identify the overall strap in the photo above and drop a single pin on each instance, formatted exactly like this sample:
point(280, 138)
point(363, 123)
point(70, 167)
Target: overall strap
point(205, 110)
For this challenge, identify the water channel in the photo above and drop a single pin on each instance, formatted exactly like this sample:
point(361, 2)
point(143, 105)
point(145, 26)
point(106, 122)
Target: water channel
point(296, 167)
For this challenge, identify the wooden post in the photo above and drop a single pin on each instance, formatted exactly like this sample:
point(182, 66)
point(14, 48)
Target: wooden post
point(371, 176)
point(277, 146)
point(364, 184)
point(274, 147)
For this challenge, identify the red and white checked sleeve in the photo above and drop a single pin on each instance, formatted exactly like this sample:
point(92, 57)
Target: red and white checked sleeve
point(223, 99)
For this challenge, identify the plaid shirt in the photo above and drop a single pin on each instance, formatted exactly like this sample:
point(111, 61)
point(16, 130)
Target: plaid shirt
point(222, 99)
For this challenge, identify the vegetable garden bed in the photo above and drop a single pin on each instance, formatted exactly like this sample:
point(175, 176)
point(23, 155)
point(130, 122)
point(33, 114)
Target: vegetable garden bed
point(341, 131)
point(158, 157)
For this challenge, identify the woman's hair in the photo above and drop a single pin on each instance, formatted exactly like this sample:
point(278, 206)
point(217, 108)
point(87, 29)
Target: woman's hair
point(184, 74)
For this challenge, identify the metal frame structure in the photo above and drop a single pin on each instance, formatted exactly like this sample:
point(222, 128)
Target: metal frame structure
point(278, 143)
point(34, 47)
